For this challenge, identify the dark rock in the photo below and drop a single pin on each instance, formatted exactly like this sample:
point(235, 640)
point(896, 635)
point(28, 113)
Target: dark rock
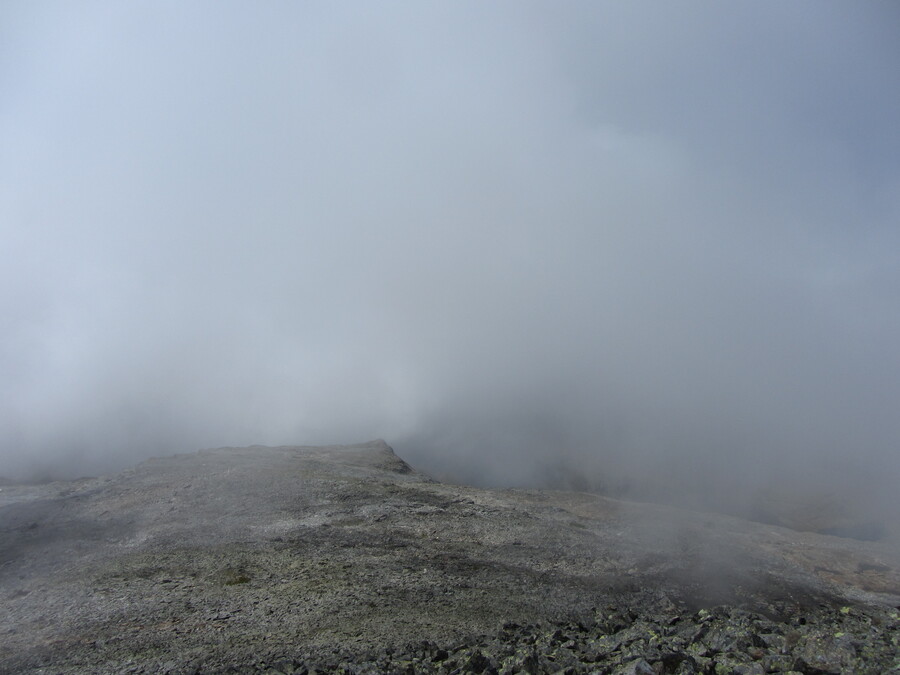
point(671, 661)
point(479, 663)
point(637, 667)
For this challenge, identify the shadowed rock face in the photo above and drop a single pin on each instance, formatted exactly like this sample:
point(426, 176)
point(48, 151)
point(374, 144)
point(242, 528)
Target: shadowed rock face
point(244, 556)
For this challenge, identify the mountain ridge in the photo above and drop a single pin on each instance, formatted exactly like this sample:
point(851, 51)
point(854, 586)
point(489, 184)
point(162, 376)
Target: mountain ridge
point(221, 554)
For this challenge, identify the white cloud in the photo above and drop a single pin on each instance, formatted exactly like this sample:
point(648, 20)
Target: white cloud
point(622, 233)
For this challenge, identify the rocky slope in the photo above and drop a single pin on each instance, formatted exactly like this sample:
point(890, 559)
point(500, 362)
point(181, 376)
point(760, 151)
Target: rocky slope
point(344, 559)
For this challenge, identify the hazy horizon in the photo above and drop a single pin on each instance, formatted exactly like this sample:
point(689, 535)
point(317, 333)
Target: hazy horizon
point(611, 245)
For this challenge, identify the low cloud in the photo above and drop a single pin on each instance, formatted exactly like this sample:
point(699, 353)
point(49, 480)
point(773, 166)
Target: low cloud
point(522, 248)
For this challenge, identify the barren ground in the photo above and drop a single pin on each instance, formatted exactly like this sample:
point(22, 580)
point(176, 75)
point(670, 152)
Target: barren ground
point(292, 558)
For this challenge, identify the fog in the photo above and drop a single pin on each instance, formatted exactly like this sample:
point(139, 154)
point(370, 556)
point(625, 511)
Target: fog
point(642, 248)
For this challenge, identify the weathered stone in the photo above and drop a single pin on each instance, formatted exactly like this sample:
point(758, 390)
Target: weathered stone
point(636, 667)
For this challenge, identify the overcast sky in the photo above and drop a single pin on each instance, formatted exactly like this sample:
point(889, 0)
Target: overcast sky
point(637, 239)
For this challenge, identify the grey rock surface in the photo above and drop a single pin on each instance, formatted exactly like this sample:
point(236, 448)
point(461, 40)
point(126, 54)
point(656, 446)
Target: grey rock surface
point(344, 559)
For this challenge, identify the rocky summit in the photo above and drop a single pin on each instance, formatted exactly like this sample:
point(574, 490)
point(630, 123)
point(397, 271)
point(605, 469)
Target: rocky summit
point(345, 559)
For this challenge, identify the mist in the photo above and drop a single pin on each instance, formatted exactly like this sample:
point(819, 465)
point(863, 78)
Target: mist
point(643, 249)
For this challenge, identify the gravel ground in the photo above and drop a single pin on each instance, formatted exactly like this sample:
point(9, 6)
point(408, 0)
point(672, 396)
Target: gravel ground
point(344, 559)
